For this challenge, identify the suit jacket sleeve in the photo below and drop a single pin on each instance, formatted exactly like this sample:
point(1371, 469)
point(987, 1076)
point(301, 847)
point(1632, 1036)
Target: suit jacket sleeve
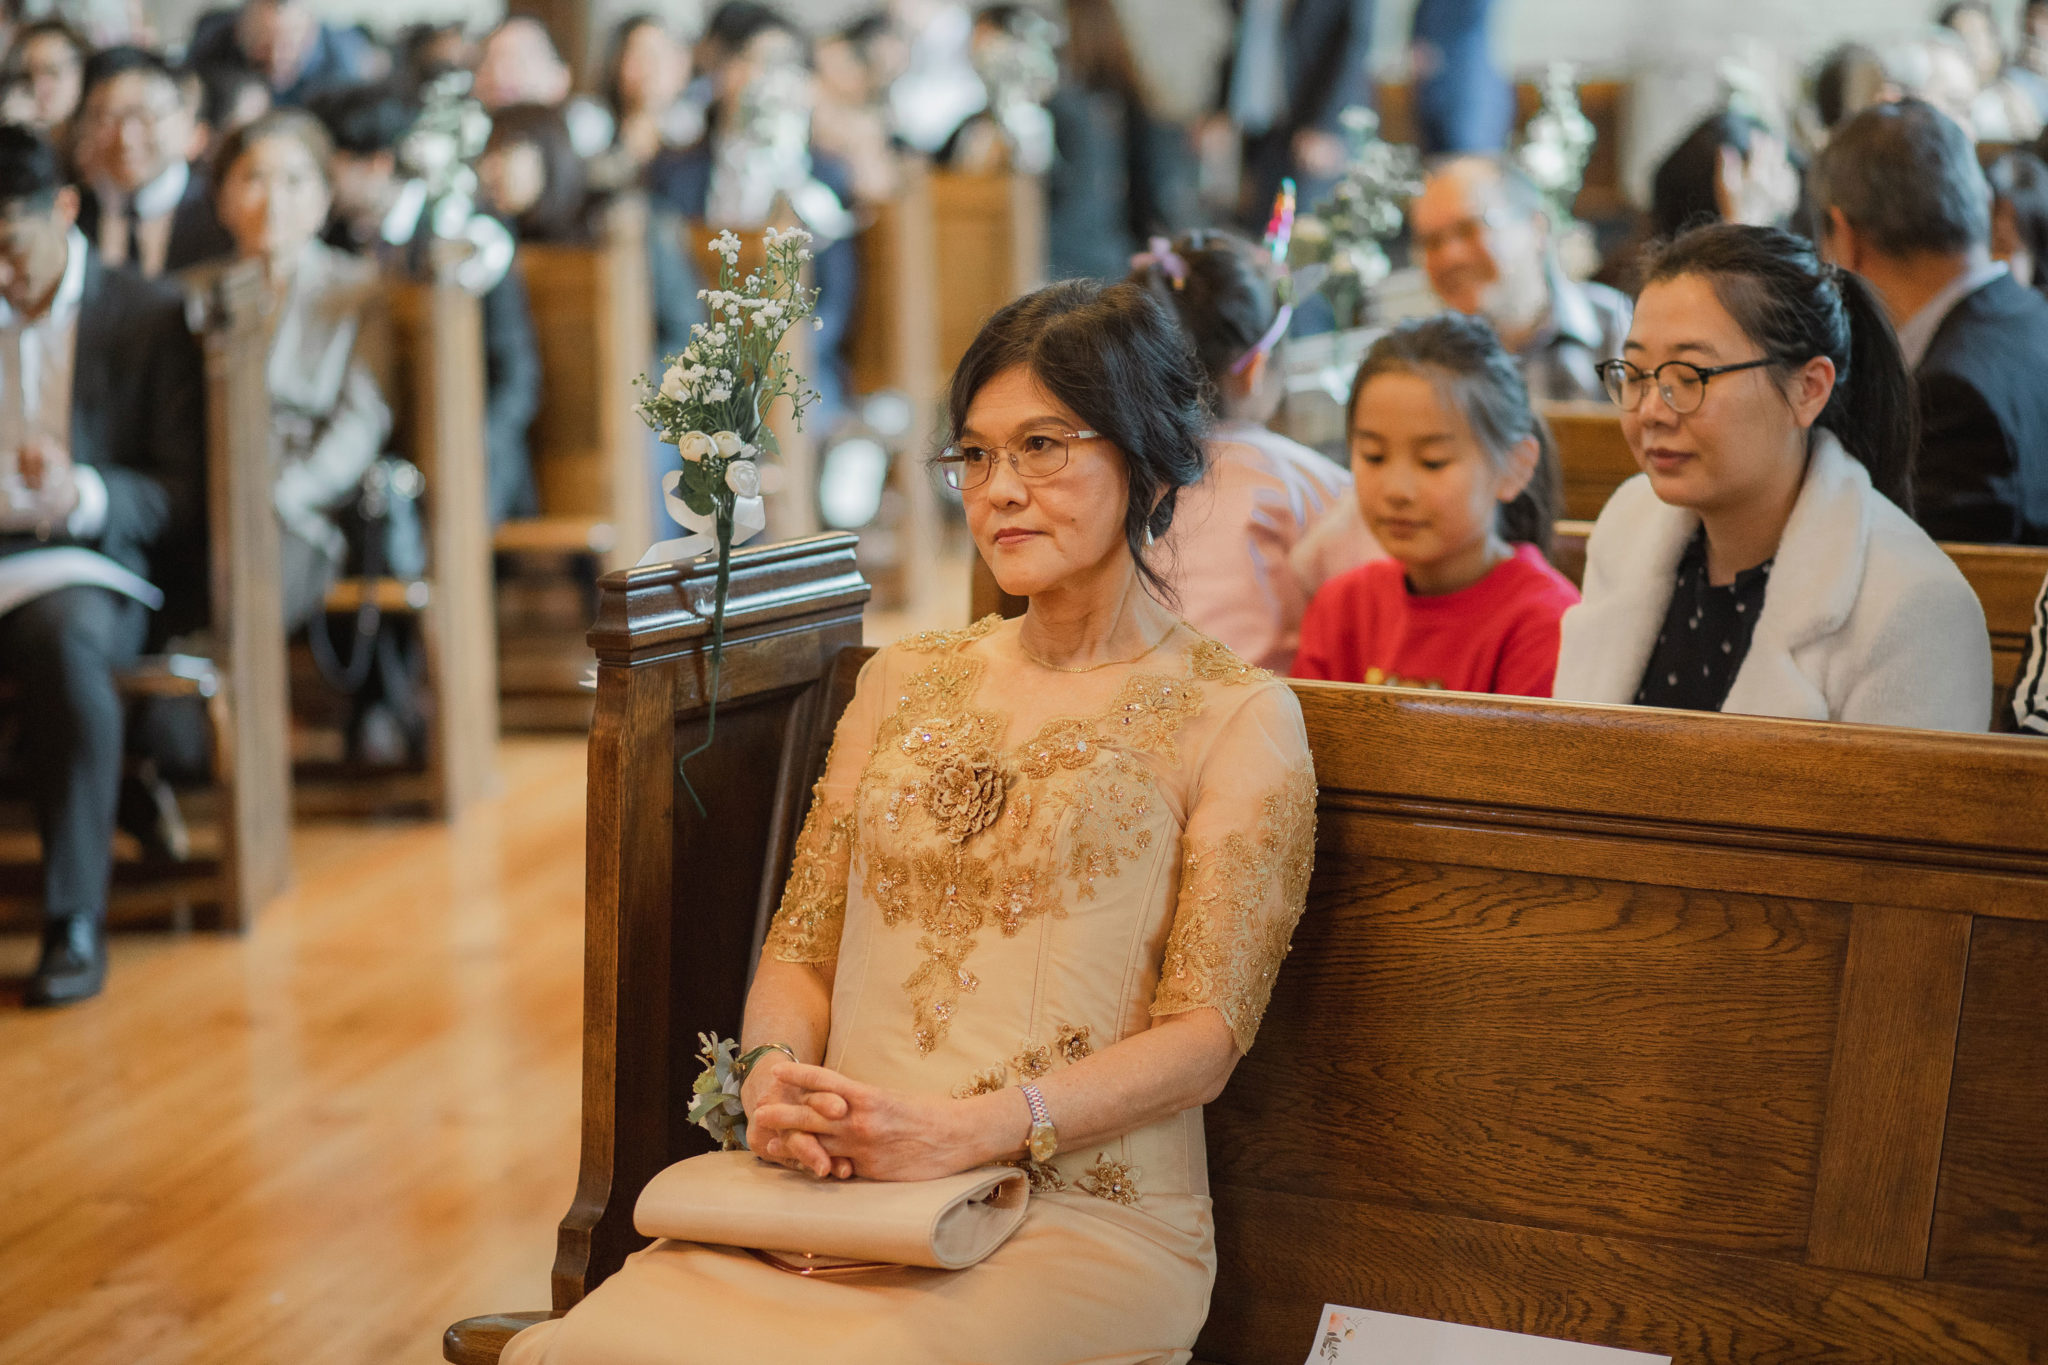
point(1965, 484)
point(1350, 79)
point(150, 503)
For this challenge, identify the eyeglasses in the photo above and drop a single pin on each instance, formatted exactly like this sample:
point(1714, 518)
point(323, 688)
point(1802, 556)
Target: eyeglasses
point(1681, 384)
point(1038, 456)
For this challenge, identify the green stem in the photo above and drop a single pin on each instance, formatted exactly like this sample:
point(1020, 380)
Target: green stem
point(725, 508)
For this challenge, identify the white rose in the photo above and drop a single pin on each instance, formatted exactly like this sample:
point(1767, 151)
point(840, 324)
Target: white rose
point(743, 477)
point(673, 384)
point(728, 443)
point(695, 445)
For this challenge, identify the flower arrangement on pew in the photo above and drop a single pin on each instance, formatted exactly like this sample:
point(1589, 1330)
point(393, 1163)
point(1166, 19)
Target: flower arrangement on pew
point(1365, 208)
point(712, 404)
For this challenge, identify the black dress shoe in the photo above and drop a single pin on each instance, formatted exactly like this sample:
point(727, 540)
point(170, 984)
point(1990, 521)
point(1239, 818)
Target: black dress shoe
point(73, 965)
point(148, 810)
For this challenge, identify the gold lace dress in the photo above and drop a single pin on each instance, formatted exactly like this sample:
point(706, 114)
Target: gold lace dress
point(1013, 868)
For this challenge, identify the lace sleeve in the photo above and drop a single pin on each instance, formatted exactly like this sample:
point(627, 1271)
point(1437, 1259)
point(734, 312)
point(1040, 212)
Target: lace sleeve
point(813, 909)
point(1246, 856)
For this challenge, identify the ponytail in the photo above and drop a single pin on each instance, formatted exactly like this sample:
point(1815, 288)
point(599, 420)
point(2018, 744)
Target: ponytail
point(1795, 308)
point(1484, 383)
point(1872, 412)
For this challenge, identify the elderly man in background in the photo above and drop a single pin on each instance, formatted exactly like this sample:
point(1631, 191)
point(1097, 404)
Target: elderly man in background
point(284, 42)
point(145, 205)
point(1484, 236)
point(1901, 201)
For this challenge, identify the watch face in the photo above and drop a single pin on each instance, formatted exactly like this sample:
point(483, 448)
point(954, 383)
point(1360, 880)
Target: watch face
point(1044, 1142)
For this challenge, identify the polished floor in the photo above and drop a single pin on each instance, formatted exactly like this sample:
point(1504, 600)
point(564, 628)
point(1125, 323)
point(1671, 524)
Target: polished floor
point(322, 1142)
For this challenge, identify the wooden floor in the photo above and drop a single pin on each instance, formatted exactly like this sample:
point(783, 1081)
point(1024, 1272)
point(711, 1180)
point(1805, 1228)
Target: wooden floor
point(322, 1142)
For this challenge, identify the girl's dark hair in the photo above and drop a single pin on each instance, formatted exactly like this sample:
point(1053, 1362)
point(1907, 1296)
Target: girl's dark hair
point(1484, 383)
point(2020, 181)
point(559, 215)
point(1114, 355)
point(1795, 308)
point(1682, 190)
point(1224, 299)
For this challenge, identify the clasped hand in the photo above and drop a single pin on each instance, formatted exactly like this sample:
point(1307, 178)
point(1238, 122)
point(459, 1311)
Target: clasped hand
point(813, 1119)
point(44, 490)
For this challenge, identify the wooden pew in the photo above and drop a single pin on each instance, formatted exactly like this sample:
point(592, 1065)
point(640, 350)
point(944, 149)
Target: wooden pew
point(593, 315)
point(433, 378)
point(1703, 1035)
point(1594, 455)
point(991, 249)
point(895, 349)
point(243, 845)
point(2007, 578)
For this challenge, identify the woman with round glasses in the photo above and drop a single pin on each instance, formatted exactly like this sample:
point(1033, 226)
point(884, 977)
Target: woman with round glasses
point(1036, 910)
point(1761, 562)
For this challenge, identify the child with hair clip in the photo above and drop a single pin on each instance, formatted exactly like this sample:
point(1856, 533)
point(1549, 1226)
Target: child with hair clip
point(1458, 481)
point(1227, 555)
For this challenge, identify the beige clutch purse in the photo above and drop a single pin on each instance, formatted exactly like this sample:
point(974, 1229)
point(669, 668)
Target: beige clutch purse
point(802, 1223)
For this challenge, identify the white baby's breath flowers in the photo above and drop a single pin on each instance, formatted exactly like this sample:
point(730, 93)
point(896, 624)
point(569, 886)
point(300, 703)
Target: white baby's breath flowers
point(743, 477)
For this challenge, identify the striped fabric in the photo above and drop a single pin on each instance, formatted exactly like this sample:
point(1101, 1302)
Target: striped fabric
point(2030, 692)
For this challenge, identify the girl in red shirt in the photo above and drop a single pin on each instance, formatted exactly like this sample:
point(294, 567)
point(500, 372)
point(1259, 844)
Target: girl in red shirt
point(1457, 479)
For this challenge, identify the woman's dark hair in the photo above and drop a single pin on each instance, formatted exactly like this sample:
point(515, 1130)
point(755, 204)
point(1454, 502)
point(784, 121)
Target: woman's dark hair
point(2019, 180)
point(1114, 355)
point(1682, 191)
point(615, 57)
point(1795, 308)
point(1219, 289)
point(293, 125)
point(1484, 383)
point(559, 215)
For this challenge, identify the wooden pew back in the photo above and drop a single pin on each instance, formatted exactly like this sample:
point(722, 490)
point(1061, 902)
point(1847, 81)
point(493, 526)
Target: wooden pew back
point(1689, 1034)
point(1594, 455)
point(992, 248)
point(438, 399)
point(593, 316)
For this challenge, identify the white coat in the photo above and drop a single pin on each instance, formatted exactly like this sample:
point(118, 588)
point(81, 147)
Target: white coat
point(1866, 619)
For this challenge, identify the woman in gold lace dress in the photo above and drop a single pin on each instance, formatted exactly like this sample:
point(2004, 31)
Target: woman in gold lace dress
point(1036, 911)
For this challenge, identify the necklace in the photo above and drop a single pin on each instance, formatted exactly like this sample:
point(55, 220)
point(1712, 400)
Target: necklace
point(1033, 655)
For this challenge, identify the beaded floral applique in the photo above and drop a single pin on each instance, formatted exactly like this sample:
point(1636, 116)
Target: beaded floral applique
point(813, 910)
point(1240, 898)
point(1072, 1043)
point(958, 848)
point(1111, 1180)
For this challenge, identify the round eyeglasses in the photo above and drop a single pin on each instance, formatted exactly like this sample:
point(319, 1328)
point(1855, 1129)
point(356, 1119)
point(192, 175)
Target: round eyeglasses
point(1038, 456)
point(1681, 384)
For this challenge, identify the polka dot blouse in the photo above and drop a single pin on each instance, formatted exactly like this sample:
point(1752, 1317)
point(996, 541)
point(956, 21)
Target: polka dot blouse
point(1705, 635)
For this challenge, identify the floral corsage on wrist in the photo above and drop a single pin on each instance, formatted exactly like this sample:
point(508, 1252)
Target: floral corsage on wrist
point(717, 1108)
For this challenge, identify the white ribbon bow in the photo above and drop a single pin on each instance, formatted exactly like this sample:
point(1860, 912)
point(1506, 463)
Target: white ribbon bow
point(749, 519)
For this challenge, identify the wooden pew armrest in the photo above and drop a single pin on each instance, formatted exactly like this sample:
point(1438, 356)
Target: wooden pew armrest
point(555, 535)
point(478, 1341)
point(170, 675)
point(393, 596)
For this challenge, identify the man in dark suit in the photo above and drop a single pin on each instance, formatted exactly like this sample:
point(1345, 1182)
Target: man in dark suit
point(1295, 66)
point(1902, 202)
point(144, 205)
point(102, 440)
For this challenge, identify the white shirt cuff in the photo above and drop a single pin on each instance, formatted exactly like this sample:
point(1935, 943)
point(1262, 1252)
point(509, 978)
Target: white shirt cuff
point(89, 518)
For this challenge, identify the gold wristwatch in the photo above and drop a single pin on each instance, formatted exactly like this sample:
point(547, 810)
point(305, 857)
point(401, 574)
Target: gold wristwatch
point(1044, 1140)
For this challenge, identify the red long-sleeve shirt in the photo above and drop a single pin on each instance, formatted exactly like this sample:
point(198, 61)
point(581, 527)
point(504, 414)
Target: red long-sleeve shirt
point(1499, 635)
